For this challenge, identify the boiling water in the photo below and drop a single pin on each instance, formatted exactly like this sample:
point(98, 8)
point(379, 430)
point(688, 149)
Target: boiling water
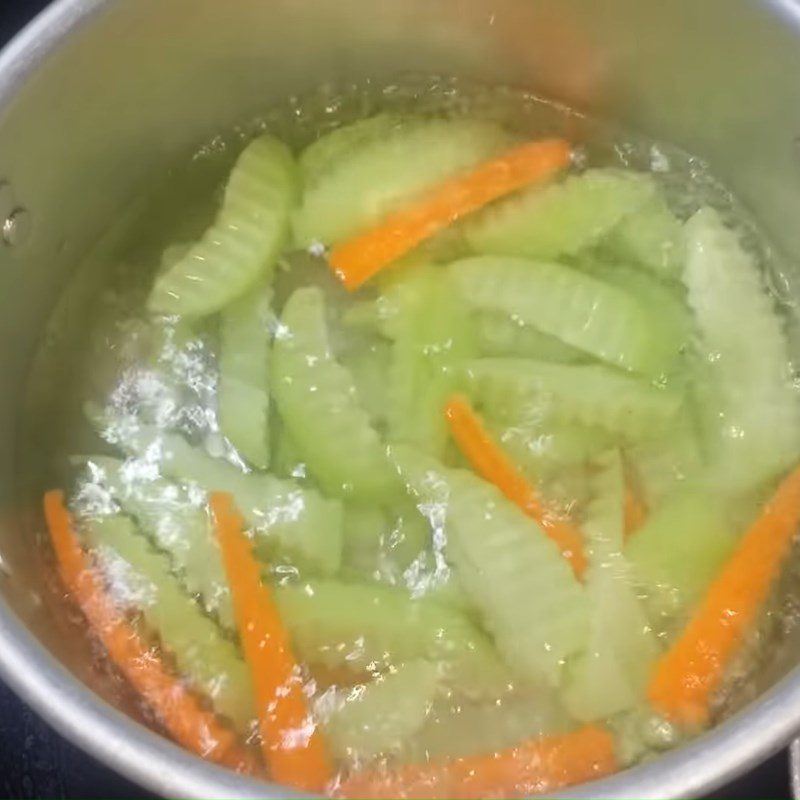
point(99, 331)
point(107, 294)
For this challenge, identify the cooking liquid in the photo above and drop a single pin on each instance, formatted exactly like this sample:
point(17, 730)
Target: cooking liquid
point(99, 337)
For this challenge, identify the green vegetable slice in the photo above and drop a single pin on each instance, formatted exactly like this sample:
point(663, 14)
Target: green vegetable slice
point(541, 444)
point(368, 363)
point(243, 245)
point(668, 460)
point(591, 395)
point(174, 520)
point(378, 717)
point(292, 522)
point(611, 676)
point(666, 307)
point(317, 400)
point(457, 727)
point(433, 335)
point(653, 237)
point(245, 338)
point(562, 218)
point(365, 527)
point(324, 155)
point(499, 553)
point(144, 581)
point(381, 174)
point(500, 336)
point(367, 627)
point(580, 310)
point(679, 549)
point(752, 416)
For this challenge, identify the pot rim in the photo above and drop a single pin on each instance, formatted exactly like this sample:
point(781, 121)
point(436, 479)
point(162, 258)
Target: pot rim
point(146, 758)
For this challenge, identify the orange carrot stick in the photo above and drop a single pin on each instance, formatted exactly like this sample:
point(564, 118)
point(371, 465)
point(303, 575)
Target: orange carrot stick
point(540, 765)
point(292, 746)
point(635, 511)
point(191, 726)
point(691, 670)
point(357, 260)
point(489, 460)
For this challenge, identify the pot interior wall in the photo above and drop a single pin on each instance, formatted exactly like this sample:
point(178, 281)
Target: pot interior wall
point(138, 81)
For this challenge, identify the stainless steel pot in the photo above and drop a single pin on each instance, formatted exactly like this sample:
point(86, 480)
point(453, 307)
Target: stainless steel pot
point(97, 95)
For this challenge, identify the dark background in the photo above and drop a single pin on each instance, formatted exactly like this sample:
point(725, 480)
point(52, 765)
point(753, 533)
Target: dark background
point(15, 13)
point(35, 762)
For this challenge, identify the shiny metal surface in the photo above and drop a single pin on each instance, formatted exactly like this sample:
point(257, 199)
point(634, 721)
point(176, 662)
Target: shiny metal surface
point(98, 95)
point(794, 768)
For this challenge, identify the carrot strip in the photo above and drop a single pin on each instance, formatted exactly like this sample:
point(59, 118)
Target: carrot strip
point(357, 260)
point(191, 726)
point(292, 745)
point(635, 511)
point(686, 676)
point(489, 460)
point(540, 765)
